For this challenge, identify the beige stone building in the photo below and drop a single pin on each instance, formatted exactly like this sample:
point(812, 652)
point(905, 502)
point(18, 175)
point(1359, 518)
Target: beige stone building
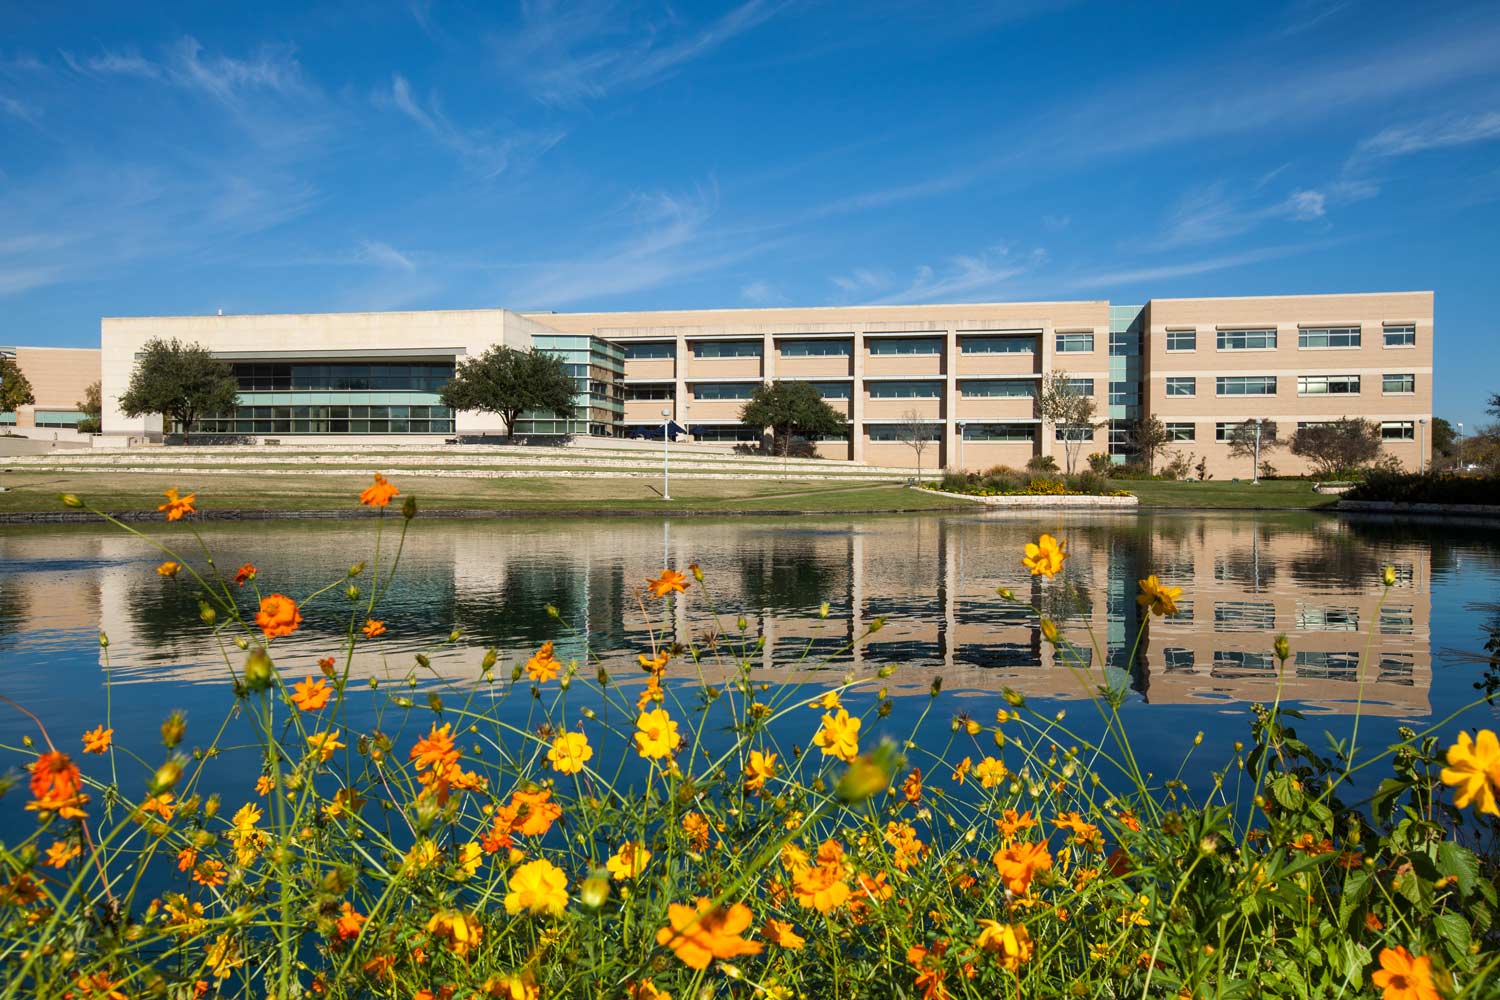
point(960, 378)
point(59, 377)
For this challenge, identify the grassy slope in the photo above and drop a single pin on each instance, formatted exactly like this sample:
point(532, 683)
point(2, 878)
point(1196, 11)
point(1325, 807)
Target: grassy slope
point(27, 492)
point(1226, 493)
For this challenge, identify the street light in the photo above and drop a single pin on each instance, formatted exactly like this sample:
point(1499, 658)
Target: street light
point(666, 439)
point(1422, 444)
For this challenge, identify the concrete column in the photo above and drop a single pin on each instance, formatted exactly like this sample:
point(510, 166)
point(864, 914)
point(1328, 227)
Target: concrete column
point(857, 398)
point(1046, 360)
point(768, 358)
point(950, 400)
point(679, 372)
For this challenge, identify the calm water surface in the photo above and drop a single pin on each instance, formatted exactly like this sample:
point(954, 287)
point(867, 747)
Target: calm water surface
point(931, 579)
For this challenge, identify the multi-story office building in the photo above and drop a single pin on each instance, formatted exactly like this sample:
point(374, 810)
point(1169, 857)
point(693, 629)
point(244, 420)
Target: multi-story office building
point(962, 378)
point(60, 378)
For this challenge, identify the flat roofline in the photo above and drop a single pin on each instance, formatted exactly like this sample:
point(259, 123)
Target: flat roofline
point(1302, 295)
point(792, 309)
point(41, 347)
point(342, 312)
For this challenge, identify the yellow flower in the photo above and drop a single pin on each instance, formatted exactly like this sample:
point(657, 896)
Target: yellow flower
point(629, 862)
point(169, 568)
point(990, 772)
point(839, 736)
point(1161, 599)
point(1045, 556)
point(827, 701)
point(537, 887)
point(820, 887)
point(760, 769)
point(1474, 770)
point(569, 753)
point(656, 734)
point(1009, 943)
point(422, 854)
point(543, 666)
point(324, 744)
point(469, 857)
point(461, 931)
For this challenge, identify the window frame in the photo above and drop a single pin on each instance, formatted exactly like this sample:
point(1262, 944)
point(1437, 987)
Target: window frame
point(1220, 381)
point(1328, 381)
point(1386, 390)
point(1404, 328)
point(1328, 333)
point(1406, 430)
point(1068, 336)
point(1181, 430)
point(1192, 384)
point(1224, 336)
point(874, 346)
point(1191, 334)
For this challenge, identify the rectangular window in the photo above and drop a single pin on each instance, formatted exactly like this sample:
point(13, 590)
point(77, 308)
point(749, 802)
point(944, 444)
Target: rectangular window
point(650, 392)
point(1177, 659)
point(1396, 384)
point(1401, 336)
point(1124, 394)
point(1244, 616)
point(1398, 430)
point(1124, 345)
point(8, 418)
point(816, 348)
point(1328, 336)
point(1327, 385)
point(905, 345)
point(1182, 386)
point(1222, 431)
point(1245, 385)
point(737, 433)
point(1247, 340)
point(649, 352)
point(1229, 664)
point(1182, 340)
point(57, 418)
point(998, 432)
point(1010, 388)
point(1074, 343)
point(1311, 618)
point(1182, 432)
point(905, 390)
point(1074, 432)
point(1397, 620)
point(1080, 386)
point(724, 390)
point(727, 349)
point(1317, 663)
point(896, 432)
point(997, 345)
point(831, 390)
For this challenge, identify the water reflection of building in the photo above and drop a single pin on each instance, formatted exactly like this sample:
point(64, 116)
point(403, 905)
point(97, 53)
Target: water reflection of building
point(930, 582)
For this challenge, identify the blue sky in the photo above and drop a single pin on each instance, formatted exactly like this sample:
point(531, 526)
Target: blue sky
point(159, 158)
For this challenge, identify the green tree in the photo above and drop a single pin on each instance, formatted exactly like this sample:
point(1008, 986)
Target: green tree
point(1063, 403)
point(1148, 436)
point(92, 407)
point(1251, 440)
point(15, 389)
point(508, 382)
point(789, 409)
point(180, 381)
point(1338, 447)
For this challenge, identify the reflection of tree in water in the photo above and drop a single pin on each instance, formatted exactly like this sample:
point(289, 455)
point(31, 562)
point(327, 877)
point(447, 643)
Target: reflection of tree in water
point(1251, 568)
point(1489, 683)
point(14, 609)
point(788, 575)
point(515, 614)
point(1444, 543)
point(1341, 559)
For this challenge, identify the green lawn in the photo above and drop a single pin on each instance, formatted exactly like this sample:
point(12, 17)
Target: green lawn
point(1227, 493)
point(121, 492)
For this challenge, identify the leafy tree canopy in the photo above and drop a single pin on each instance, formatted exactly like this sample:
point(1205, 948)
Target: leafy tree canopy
point(180, 381)
point(15, 389)
point(508, 382)
point(791, 408)
point(1337, 447)
point(92, 407)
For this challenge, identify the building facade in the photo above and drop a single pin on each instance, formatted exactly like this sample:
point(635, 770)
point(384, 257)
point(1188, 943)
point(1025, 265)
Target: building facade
point(949, 386)
point(60, 378)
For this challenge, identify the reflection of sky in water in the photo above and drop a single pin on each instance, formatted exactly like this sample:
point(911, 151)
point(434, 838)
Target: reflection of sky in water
point(932, 580)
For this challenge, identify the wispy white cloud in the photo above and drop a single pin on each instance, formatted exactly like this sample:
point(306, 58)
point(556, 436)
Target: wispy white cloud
point(760, 293)
point(1211, 213)
point(1121, 277)
point(569, 51)
point(17, 109)
point(127, 62)
point(486, 155)
point(862, 281)
point(384, 255)
point(1441, 132)
point(15, 280)
point(1305, 15)
point(967, 276)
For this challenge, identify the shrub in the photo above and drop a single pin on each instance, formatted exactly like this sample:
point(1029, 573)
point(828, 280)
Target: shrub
point(1089, 482)
point(637, 829)
point(1431, 487)
point(1042, 463)
point(1100, 463)
point(1179, 466)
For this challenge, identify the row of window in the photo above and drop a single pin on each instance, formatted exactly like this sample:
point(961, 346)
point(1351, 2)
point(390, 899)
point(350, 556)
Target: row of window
point(1390, 430)
point(892, 389)
point(331, 420)
point(1309, 338)
point(407, 376)
point(1307, 385)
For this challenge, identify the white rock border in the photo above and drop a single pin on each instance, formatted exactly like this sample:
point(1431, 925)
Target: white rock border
point(1025, 501)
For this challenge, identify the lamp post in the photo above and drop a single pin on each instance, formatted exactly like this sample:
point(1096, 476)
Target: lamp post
point(1422, 444)
point(666, 453)
point(961, 447)
point(1255, 474)
point(1458, 447)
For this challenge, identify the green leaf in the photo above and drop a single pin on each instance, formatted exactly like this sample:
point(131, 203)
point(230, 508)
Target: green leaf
point(1454, 931)
point(1458, 863)
point(1356, 891)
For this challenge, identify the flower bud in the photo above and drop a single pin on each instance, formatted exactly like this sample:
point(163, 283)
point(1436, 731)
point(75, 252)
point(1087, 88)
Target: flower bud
point(211, 807)
point(206, 614)
point(356, 569)
point(490, 656)
point(937, 687)
point(352, 592)
point(697, 571)
point(1049, 630)
point(1283, 648)
point(166, 776)
point(103, 641)
point(173, 729)
point(435, 703)
point(423, 661)
point(241, 642)
point(552, 611)
point(260, 673)
point(877, 625)
point(823, 610)
point(594, 892)
point(69, 500)
point(886, 671)
point(455, 635)
point(1013, 697)
point(409, 508)
point(1006, 593)
point(1389, 576)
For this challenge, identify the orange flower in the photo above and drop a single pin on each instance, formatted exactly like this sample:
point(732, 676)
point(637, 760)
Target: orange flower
point(699, 936)
point(461, 931)
point(695, 826)
point(169, 568)
point(911, 788)
point(311, 695)
point(1404, 977)
point(278, 615)
point(1011, 823)
point(820, 887)
point(760, 769)
point(669, 581)
point(186, 859)
point(436, 749)
point(244, 574)
point(534, 812)
point(349, 923)
point(780, 933)
point(1019, 863)
point(63, 851)
point(373, 628)
point(543, 666)
point(177, 506)
point(97, 740)
point(160, 804)
point(379, 493)
point(57, 786)
point(325, 664)
point(209, 874)
point(654, 664)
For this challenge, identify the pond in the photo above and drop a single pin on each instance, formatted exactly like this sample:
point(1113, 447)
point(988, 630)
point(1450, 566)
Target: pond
point(1399, 658)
